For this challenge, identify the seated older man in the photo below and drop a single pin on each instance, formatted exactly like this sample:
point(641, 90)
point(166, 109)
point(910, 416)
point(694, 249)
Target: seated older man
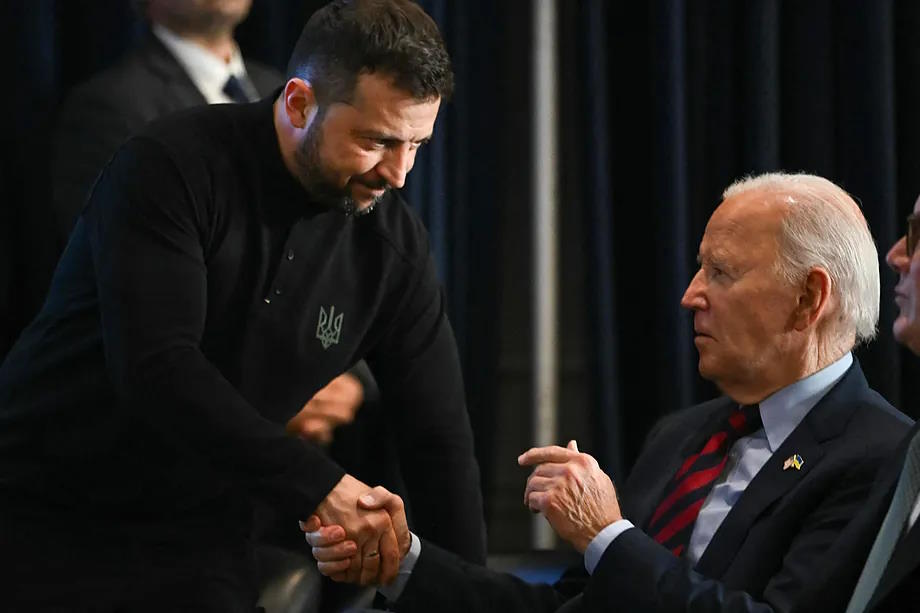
point(732, 502)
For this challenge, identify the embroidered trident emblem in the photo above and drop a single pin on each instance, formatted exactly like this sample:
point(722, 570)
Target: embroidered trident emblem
point(329, 327)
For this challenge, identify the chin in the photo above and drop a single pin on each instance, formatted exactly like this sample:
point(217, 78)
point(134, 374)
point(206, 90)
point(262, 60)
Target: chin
point(705, 368)
point(907, 334)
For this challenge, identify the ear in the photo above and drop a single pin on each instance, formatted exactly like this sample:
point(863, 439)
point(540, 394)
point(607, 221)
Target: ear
point(299, 102)
point(814, 297)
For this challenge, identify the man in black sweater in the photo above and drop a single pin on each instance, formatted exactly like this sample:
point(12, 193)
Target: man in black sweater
point(231, 260)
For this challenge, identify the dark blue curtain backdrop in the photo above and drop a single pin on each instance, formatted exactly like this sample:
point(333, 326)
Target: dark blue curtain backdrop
point(663, 104)
point(676, 99)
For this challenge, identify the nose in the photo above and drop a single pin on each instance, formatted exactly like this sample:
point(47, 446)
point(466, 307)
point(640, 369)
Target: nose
point(694, 297)
point(396, 164)
point(897, 256)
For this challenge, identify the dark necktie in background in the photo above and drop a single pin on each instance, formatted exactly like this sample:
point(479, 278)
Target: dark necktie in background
point(673, 520)
point(893, 528)
point(240, 89)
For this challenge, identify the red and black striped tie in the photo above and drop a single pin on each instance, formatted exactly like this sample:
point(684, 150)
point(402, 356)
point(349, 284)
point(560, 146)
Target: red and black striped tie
point(672, 523)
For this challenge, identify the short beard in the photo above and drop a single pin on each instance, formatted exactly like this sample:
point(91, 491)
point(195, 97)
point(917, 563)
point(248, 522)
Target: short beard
point(314, 181)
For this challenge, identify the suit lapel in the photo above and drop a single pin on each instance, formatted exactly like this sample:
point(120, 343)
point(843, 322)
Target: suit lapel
point(770, 483)
point(827, 420)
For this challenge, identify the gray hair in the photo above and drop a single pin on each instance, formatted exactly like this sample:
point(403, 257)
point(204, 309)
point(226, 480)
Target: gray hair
point(824, 227)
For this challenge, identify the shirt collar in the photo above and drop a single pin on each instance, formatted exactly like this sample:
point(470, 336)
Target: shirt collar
point(785, 409)
point(207, 71)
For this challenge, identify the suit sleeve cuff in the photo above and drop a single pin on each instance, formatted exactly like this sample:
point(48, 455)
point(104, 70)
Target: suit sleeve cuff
point(394, 590)
point(599, 543)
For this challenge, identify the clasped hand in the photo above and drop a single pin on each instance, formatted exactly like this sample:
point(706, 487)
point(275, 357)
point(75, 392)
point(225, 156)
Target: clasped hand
point(358, 534)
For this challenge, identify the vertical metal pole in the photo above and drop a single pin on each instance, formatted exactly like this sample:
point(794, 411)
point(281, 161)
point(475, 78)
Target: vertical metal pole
point(545, 243)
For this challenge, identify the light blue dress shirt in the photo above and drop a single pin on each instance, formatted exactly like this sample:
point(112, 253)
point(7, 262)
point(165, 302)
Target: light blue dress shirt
point(781, 412)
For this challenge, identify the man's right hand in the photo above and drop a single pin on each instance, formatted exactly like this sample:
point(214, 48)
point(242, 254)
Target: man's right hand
point(335, 554)
point(378, 549)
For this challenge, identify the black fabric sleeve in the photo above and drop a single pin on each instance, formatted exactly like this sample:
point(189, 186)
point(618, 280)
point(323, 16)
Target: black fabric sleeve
point(443, 582)
point(418, 370)
point(145, 232)
point(362, 372)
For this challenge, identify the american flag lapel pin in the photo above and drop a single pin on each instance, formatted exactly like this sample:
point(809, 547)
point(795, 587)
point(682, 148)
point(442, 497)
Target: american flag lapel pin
point(794, 461)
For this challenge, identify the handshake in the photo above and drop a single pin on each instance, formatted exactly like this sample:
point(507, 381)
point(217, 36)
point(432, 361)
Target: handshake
point(359, 534)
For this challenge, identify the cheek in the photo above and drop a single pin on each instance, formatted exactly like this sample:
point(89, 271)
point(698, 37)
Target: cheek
point(913, 292)
point(357, 161)
point(747, 327)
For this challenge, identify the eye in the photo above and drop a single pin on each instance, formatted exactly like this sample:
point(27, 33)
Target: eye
point(717, 273)
point(375, 144)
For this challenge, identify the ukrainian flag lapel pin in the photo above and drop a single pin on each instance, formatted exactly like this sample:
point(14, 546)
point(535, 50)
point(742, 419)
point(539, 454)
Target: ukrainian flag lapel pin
point(794, 461)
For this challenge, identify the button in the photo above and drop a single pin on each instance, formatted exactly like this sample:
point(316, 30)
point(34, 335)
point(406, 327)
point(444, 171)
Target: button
point(290, 255)
point(278, 291)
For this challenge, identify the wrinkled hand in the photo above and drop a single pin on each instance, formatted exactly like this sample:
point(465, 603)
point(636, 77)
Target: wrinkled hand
point(571, 491)
point(335, 554)
point(377, 548)
point(331, 407)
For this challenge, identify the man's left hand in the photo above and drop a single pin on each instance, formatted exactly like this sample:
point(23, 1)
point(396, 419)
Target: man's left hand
point(571, 491)
point(331, 407)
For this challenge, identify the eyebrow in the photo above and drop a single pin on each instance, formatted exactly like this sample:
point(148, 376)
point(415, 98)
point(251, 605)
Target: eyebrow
point(389, 138)
point(718, 255)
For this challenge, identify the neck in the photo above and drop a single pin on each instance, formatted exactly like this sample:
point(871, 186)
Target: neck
point(819, 353)
point(218, 40)
point(222, 45)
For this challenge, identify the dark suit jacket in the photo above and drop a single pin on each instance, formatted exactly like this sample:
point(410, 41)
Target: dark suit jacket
point(763, 554)
point(100, 114)
point(899, 587)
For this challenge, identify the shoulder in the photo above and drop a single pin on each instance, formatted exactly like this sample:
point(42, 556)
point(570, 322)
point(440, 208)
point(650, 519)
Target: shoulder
point(130, 82)
point(856, 425)
point(874, 423)
point(263, 76)
point(853, 407)
point(208, 135)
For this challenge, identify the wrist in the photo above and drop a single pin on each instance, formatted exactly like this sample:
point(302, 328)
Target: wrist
point(404, 549)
